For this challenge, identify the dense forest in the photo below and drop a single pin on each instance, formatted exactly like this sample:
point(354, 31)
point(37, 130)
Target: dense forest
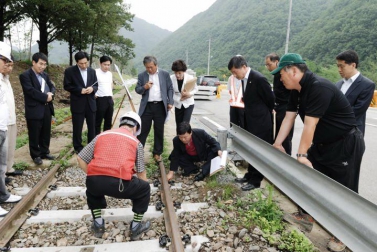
point(320, 29)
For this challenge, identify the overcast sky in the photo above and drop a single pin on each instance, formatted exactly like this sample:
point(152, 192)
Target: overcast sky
point(168, 14)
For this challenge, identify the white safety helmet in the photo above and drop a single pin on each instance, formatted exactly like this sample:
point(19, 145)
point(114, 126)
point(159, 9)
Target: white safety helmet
point(133, 119)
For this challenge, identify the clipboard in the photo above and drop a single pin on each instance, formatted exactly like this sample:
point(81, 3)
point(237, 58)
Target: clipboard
point(190, 84)
point(218, 163)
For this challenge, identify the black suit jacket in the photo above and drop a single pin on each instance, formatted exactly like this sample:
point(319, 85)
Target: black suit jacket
point(203, 142)
point(35, 100)
point(74, 84)
point(259, 103)
point(359, 95)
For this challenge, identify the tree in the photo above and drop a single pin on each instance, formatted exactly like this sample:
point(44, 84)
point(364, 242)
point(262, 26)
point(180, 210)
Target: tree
point(51, 17)
point(9, 14)
point(121, 50)
point(110, 17)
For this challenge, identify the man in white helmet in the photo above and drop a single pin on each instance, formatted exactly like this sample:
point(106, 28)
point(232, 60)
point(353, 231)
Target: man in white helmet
point(112, 159)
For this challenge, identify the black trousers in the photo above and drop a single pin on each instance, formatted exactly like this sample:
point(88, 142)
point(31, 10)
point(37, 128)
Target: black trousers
point(186, 162)
point(280, 114)
point(137, 190)
point(237, 116)
point(253, 175)
point(340, 160)
point(183, 114)
point(39, 132)
point(105, 110)
point(154, 111)
point(78, 123)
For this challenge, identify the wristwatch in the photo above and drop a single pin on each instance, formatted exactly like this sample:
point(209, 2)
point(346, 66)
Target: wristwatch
point(302, 155)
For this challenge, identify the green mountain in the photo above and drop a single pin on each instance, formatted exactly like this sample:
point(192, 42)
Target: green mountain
point(345, 24)
point(145, 36)
point(320, 29)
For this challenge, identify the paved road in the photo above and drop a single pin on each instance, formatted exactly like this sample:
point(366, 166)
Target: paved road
point(218, 111)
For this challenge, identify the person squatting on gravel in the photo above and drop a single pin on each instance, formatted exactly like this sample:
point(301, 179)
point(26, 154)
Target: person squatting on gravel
point(112, 159)
point(192, 146)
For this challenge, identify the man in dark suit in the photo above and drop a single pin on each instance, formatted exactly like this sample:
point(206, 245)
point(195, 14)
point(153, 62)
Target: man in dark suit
point(357, 88)
point(156, 89)
point(38, 93)
point(190, 146)
point(259, 103)
point(81, 82)
point(281, 100)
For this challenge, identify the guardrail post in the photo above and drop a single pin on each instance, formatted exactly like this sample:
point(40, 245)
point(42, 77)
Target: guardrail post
point(222, 136)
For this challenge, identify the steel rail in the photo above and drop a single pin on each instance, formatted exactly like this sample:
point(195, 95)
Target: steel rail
point(18, 215)
point(171, 221)
point(344, 213)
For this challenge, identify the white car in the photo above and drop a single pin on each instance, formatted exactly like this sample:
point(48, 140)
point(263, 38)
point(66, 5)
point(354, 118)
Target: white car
point(207, 87)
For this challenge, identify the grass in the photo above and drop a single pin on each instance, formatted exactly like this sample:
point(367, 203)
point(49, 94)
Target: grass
point(152, 167)
point(20, 166)
point(22, 140)
point(261, 211)
point(61, 115)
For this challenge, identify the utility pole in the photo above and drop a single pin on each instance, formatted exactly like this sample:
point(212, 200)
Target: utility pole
point(187, 57)
point(289, 26)
point(209, 54)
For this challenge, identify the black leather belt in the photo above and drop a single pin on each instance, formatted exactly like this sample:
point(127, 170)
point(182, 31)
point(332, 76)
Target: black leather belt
point(353, 130)
point(154, 102)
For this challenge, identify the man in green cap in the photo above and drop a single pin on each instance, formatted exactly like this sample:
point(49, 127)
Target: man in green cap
point(331, 143)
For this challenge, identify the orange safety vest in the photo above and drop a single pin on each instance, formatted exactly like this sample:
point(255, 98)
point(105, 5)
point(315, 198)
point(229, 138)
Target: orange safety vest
point(114, 154)
point(235, 101)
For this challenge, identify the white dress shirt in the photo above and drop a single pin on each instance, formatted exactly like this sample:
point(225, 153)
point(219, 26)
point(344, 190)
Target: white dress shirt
point(347, 83)
point(154, 91)
point(105, 81)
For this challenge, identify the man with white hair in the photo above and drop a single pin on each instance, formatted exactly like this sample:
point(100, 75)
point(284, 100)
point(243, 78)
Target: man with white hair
point(112, 158)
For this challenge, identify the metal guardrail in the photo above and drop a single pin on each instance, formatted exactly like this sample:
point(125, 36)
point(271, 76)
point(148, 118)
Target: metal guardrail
point(345, 214)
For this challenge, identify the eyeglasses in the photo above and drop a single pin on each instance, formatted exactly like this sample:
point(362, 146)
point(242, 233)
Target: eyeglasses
point(5, 59)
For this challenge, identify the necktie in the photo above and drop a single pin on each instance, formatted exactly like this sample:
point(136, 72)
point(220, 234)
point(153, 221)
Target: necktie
point(243, 88)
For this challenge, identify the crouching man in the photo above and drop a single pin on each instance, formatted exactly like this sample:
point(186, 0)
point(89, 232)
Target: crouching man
point(110, 160)
point(189, 147)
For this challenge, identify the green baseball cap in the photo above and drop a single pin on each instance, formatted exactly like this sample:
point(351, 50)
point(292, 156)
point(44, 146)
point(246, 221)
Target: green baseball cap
point(288, 59)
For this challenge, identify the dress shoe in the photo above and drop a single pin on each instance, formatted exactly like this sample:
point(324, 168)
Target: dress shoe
point(48, 156)
point(199, 177)
point(37, 161)
point(241, 180)
point(8, 180)
point(248, 187)
point(13, 199)
point(3, 212)
point(15, 173)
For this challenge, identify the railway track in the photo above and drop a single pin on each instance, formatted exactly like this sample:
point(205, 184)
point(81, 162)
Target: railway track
point(39, 214)
point(190, 218)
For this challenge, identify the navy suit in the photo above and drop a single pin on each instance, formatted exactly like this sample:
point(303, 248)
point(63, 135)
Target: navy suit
point(259, 103)
point(155, 112)
point(83, 106)
point(38, 112)
point(359, 95)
